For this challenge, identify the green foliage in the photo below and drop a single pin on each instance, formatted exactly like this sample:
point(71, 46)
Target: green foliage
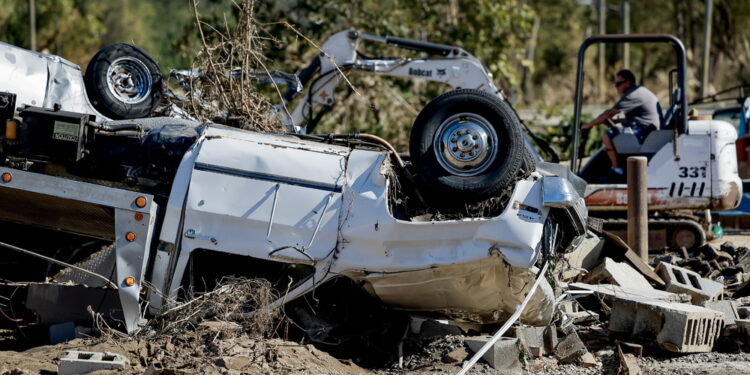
point(498, 32)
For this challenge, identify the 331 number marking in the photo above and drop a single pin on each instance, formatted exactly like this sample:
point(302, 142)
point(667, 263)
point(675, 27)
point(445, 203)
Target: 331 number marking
point(692, 172)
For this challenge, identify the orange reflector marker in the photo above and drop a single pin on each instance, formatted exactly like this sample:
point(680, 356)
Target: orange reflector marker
point(11, 129)
point(130, 236)
point(140, 202)
point(129, 281)
point(7, 177)
point(138, 216)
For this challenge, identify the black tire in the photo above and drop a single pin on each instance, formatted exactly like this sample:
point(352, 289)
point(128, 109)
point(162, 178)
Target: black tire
point(139, 95)
point(443, 182)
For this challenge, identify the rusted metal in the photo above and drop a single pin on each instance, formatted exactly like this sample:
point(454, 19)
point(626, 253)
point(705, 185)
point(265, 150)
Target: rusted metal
point(638, 205)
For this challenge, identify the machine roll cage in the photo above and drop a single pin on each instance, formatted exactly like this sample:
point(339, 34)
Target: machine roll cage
point(681, 121)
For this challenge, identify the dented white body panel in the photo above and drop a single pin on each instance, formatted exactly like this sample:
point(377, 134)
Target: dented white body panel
point(43, 80)
point(279, 198)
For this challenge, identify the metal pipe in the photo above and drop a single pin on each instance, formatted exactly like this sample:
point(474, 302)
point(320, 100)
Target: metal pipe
point(638, 205)
point(626, 30)
point(32, 24)
point(60, 263)
point(602, 50)
point(508, 323)
point(706, 46)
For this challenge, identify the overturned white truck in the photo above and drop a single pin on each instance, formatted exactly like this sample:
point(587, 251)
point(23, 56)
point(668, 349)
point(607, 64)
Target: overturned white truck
point(459, 229)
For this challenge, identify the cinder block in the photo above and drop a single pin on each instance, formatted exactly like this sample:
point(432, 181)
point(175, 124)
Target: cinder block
point(743, 330)
point(677, 327)
point(585, 256)
point(570, 348)
point(537, 341)
point(76, 362)
point(727, 308)
point(618, 274)
point(502, 356)
point(680, 280)
point(609, 292)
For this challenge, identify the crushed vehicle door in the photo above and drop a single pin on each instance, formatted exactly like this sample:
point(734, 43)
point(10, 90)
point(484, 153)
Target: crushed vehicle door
point(264, 196)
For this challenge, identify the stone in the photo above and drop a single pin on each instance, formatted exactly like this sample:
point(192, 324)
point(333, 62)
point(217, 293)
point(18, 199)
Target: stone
point(456, 356)
point(570, 348)
point(617, 274)
point(609, 292)
point(584, 257)
point(727, 308)
point(677, 327)
point(504, 354)
point(711, 253)
point(680, 280)
point(77, 362)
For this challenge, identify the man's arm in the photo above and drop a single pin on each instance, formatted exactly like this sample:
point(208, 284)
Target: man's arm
point(601, 119)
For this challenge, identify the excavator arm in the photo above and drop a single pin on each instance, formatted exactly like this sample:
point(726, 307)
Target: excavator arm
point(456, 68)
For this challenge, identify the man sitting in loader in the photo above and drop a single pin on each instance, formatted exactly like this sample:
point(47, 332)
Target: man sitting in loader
point(642, 114)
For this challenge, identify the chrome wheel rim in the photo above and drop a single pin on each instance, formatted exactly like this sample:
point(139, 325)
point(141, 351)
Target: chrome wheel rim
point(129, 80)
point(465, 144)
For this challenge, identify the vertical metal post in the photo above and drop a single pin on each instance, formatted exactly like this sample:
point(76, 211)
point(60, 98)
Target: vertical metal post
point(626, 30)
point(602, 31)
point(706, 46)
point(32, 24)
point(638, 205)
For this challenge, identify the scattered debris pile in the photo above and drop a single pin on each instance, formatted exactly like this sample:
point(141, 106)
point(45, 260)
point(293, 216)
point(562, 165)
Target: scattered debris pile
point(615, 314)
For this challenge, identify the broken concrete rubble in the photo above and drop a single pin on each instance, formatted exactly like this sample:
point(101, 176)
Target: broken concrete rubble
point(727, 308)
point(584, 257)
point(618, 274)
point(611, 291)
point(570, 348)
point(537, 341)
point(676, 327)
point(504, 354)
point(680, 280)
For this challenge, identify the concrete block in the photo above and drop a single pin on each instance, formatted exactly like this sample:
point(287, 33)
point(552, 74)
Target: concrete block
point(680, 280)
point(727, 308)
point(616, 273)
point(570, 348)
point(677, 327)
point(537, 341)
point(502, 356)
point(609, 292)
point(585, 256)
point(76, 362)
point(580, 317)
point(567, 307)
